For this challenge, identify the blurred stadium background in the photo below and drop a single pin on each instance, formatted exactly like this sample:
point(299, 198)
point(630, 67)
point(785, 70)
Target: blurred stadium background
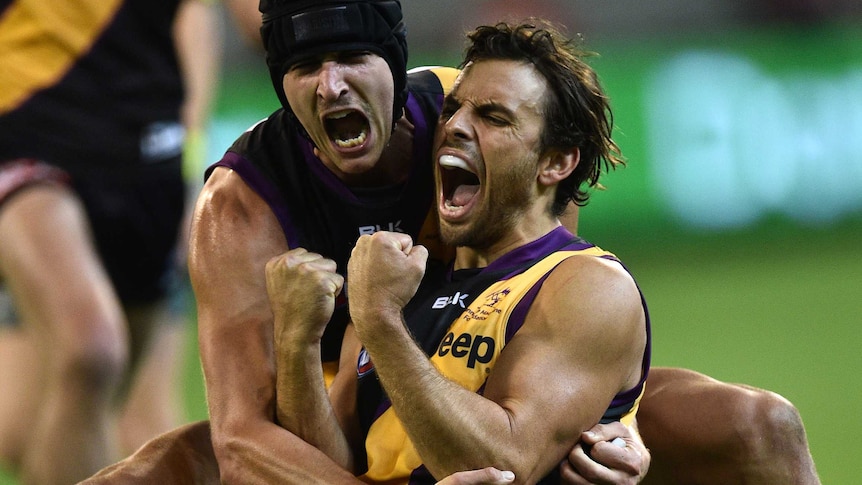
point(740, 211)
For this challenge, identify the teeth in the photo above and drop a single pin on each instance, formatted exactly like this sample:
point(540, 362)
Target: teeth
point(450, 161)
point(352, 142)
point(338, 116)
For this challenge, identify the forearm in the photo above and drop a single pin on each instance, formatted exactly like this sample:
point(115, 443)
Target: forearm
point(452, 428)
point(262, 452)
point(249, 446)
point(302, 403)
point(240, 382)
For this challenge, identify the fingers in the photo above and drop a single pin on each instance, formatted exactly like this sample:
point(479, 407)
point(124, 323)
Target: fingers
point(581, 470)
point(625, 459)
point(586, 469)
point(380, 244)
point(300, 263)
point(384, 271)
point(606, 432)
point(616, 456)
point(419, 256)
point(399, 240)
point(618, 447)
point(402, 241)
point(297, 257)
point(484, 476)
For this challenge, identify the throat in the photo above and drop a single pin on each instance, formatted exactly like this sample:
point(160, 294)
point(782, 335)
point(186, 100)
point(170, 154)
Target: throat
point(396, 161)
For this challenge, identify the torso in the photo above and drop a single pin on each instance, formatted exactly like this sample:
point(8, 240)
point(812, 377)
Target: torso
point(464, 323)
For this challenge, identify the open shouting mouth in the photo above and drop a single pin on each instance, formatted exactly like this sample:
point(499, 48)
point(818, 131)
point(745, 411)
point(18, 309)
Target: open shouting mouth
point(459, 183)
point(347, 129)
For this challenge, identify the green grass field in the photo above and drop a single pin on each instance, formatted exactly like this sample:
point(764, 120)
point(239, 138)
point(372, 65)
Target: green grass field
point(779, 309)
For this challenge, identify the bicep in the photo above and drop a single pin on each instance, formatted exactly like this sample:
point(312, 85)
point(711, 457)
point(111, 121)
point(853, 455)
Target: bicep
point(574, 352)
point(233, 235)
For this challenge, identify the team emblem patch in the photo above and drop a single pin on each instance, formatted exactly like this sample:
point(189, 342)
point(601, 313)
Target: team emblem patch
point(364, 364)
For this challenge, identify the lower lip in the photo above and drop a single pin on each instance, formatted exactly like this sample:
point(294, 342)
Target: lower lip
point(455, 215)
point(359, 148)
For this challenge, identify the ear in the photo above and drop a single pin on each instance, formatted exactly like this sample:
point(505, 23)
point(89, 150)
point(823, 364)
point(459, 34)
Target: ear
point(557, 165)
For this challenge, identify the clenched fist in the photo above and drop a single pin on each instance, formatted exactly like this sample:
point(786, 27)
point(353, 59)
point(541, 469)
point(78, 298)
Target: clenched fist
point(302, 287)
point(384, 272)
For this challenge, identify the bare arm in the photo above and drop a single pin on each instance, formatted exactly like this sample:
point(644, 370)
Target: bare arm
point(697, 427)
point(605, 463)
point(247, 18)
point(182, 455)
point(586, 324)
point(234, 234)
point(197, 20)
point(302, 287)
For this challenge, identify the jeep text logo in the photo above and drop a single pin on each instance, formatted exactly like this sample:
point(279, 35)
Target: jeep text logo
point(389, 226)
point(476, 348)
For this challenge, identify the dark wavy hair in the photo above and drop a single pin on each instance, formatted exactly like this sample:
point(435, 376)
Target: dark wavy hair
point(577, 112)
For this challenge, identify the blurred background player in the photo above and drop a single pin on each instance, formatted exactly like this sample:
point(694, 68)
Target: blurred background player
point(96, 101)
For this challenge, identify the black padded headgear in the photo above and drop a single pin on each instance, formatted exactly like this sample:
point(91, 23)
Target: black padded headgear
point(294, 30)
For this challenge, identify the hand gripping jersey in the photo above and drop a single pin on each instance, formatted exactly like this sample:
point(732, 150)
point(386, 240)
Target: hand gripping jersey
point(463, 322)
point(317, 211)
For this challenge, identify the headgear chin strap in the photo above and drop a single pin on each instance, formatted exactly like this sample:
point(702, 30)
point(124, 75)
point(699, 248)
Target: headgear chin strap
point(294, 30)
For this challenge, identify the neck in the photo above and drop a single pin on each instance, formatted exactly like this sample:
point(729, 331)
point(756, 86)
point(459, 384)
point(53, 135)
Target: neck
point(523, 233)
point(396, 161)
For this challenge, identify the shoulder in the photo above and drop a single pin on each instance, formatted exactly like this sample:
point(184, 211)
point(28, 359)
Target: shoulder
point(601, 279)
point(226, 189)
point(228, 205)
point(275, 130)
point(592, 296)
point(233, 234)
point(265, 153)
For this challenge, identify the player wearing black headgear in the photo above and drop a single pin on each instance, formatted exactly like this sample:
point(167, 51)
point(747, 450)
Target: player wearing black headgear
point(295, 30)
point(276, 191)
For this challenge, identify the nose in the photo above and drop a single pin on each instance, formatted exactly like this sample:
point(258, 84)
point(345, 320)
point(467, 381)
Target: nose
point(331, 83)
point(458, 125)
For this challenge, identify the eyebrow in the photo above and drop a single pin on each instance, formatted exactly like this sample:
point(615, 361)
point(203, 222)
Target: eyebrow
point(450, 100)
point(489, 107)
point(483, 108)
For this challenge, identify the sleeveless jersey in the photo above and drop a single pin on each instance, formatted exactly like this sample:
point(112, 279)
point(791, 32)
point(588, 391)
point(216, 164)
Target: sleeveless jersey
point(321, 214)
point(89, 84)
point(463, 324)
